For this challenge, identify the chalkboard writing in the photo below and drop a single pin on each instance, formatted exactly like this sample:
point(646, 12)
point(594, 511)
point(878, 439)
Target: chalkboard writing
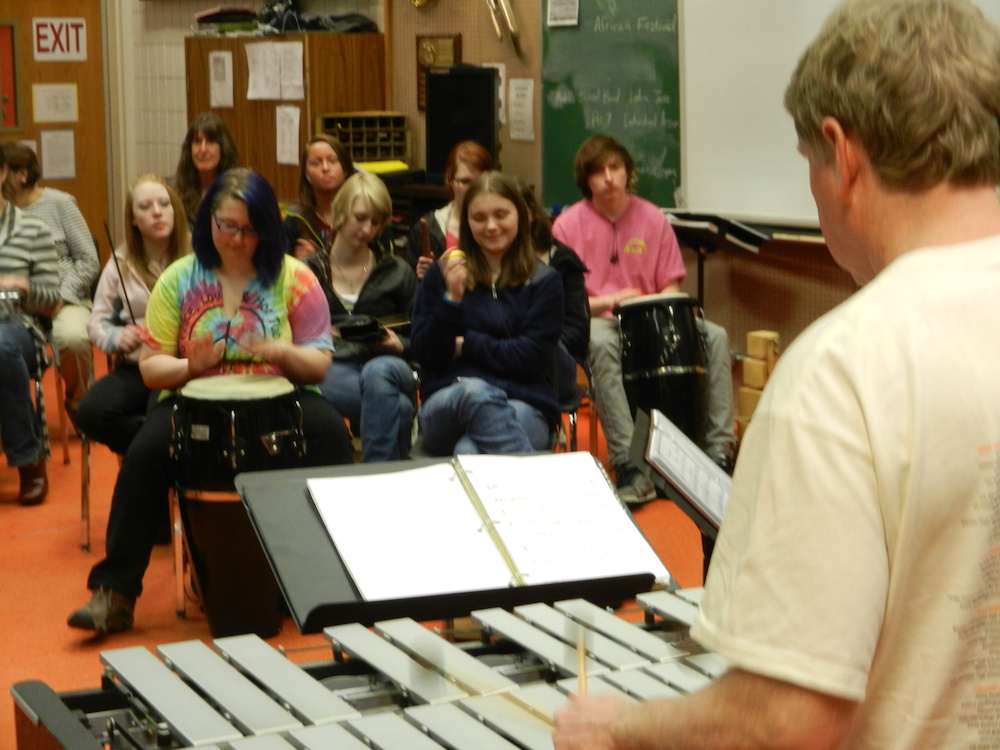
point(615, 73)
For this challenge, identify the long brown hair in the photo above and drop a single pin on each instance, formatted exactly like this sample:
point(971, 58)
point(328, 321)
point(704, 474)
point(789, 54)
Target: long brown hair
point(135, 246)
point(518, 264)
point(307, 196)
point(186, 178)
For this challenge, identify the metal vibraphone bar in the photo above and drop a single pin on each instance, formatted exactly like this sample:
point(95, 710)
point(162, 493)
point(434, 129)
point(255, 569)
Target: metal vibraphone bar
point(398, 685)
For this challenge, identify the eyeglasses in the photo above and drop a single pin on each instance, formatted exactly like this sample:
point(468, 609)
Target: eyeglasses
point(230, 229)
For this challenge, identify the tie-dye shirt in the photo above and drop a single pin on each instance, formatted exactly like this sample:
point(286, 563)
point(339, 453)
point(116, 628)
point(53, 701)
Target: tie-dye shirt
point(186, 304)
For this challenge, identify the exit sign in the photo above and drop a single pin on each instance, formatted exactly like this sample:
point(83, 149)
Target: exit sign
point(59, 39)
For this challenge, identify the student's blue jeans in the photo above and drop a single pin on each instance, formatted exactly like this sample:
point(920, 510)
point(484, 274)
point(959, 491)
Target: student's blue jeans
point(378, 398)
point(19, 428)
point(474, 416)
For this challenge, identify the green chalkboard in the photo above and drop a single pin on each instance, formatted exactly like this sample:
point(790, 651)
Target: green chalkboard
point(615, 73)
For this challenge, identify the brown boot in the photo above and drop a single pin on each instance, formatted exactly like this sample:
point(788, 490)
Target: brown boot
point(34, 483)
point(106, 612)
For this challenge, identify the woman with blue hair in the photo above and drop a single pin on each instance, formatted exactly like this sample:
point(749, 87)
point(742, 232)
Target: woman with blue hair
point(239, 305)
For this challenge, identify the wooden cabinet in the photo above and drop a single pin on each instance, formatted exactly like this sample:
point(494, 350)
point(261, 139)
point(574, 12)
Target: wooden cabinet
point(342, 73)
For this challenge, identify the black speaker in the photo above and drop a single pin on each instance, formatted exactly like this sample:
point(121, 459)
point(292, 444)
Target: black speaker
point(462, 105)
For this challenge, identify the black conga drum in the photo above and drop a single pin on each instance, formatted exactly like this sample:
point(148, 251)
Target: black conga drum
point(664, 360)
point(222, 426)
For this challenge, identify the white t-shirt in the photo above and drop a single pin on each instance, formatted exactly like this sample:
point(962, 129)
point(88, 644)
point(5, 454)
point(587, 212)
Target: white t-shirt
point(860, 552)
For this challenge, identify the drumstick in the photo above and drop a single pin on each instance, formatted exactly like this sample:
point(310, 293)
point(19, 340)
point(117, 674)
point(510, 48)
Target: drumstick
point(425, 239)
point(581, 662)
point(114, 257)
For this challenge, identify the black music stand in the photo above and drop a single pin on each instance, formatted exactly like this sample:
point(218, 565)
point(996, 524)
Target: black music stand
point(664, 489)
point(707, 233)
point(319, 590)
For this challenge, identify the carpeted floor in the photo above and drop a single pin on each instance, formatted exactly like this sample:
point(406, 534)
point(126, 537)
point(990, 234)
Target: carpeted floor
point(43, 573)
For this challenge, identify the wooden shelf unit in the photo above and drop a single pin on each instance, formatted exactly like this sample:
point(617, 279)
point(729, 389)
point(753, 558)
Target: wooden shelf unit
point(370, 136)
point(342, 73)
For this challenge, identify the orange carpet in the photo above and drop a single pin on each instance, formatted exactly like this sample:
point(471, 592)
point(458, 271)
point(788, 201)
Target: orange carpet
point(44, 573)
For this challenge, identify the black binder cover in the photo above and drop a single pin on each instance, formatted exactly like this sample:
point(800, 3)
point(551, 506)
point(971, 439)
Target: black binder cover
point(317, 587)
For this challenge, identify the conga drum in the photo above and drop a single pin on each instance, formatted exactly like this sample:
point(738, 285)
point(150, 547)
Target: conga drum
point(664, 359)
point(222, 426)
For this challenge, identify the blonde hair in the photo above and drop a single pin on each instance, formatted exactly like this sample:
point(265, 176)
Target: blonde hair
point(918, 82)
point(360, 185)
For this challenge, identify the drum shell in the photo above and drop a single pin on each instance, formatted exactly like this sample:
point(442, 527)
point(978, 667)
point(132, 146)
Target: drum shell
point(664, 360)
point(207, 433)
point(238, 589)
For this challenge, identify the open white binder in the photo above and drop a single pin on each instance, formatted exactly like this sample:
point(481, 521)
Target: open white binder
point(482, 522)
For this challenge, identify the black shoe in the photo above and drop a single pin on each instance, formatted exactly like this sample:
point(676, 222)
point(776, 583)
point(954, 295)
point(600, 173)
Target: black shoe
point(34, 483)
point(634, 487)
point(106, 612)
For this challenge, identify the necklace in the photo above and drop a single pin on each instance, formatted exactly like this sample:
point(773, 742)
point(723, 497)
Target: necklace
point(359, 279)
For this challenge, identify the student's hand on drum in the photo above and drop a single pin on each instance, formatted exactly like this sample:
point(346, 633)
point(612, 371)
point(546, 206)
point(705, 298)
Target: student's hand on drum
point(423, 263)
point(12, 281)
point(130, 340)
point(268, 350)
point(456, 275)
point(203, 353)
point(304, 248)
point(625, 294)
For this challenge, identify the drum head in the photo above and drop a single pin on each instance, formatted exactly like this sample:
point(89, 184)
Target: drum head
point(242, 387)
point(651, 299)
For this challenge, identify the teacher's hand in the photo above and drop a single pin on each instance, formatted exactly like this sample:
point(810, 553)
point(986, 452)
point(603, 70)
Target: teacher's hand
point(584, 723)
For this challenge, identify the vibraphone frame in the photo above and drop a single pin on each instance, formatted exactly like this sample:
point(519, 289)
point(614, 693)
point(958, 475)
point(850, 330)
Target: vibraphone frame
point(403, 686)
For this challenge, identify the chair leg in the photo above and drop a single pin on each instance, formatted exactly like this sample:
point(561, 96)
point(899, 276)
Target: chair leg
point(84, 467)
point(593, 427)
point(85, 492)
point(42, 421)
point(63, 417)
point(177, 524)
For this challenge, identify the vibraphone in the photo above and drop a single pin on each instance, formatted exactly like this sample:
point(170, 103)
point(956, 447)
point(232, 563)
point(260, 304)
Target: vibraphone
point(403, 687)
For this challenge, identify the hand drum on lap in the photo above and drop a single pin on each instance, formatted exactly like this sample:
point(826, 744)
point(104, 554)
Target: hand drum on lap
point(228, 424)
point(222, 426)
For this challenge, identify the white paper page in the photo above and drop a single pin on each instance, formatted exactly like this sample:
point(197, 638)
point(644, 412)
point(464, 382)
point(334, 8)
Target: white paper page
point(564, 13)
point(264, 64)
point(522, 109)
point(409, 533)
point(58, 154)
point(286, 132)
point(293, 85)
point(220, 79)
point(559, 517)
point(686, 467)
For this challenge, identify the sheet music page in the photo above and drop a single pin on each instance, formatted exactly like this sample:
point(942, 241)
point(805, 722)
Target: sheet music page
point(409, 533)
point(559, 517)
point(686, 467)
